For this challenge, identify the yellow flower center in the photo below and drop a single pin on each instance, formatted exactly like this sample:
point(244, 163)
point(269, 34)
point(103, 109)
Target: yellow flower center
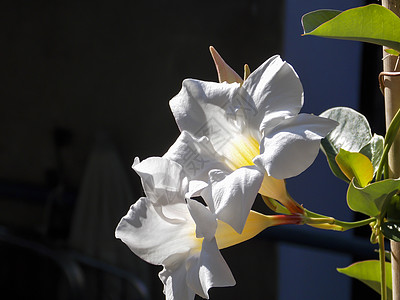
point(240, 151)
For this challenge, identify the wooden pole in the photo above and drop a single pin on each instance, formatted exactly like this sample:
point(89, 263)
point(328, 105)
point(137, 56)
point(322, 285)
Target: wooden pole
point(392, 104)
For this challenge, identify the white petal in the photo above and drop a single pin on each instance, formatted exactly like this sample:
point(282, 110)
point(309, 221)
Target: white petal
point(206, 222)
point(292, 146)
point(198, 102)
point(154, 239)
point(174, 280)
point(276, 91)
point(206, 193)
point(208, 270)
point(163, 180)
point(233, 195)
point(195, 188)
point(197, 156)
point(209, 109)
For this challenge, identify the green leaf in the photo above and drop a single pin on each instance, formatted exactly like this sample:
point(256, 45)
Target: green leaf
point(372, 23)
point(393, 129)
point(352, 134)
point(393, 209)
point(314, 19)
point(355, 165)
point(391, 230)
point(374, 150)
point(392, 52)
point(369, 273)
point(371, 199)
point(390, 136)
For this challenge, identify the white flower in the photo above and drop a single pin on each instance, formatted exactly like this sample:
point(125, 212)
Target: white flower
point(183, 236)
point(256, 122)
point(164, 229)
point(191, 264)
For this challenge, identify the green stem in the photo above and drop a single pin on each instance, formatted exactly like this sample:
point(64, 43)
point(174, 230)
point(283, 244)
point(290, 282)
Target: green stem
point(382, 262)
point(389, 139)
point(383, 162)
point(345, 225)
point(313, 214)
point(351, 225)
point(386, 171)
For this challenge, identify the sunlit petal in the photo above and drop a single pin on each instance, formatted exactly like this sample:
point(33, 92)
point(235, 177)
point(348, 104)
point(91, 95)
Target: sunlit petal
point(233, 195)
point(173, 277)
point(195, 188)
point(276, 91)
point(161, 186)
point(208, 270)
point(195, 155)
point(154, 239)
point(290, 147)
point(205, 220)
point(200, 107)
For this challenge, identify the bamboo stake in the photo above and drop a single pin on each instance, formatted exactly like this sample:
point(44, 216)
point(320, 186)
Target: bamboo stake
point(392, 104)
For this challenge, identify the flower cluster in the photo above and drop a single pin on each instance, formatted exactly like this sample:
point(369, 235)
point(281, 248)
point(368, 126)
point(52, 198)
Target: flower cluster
point(239, 137)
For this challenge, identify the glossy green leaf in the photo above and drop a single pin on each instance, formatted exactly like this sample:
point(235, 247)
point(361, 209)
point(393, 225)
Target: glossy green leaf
point(369, 273)
point(372, 23)
point(373, 150)
point(393, 129)
point(370, 199)
point(314, 19)
point(352, 134)
point(391, 230)
point(392, 52)
point(355, 165)
point(393, 209)
point(390, 136)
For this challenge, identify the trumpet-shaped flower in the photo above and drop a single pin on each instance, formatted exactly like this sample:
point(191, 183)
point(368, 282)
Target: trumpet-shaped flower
point(253, 123)
point(186, 237)
point(192, 264)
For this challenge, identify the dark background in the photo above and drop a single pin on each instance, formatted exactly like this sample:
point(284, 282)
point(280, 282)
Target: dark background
point(78, 72)
point(84, 89)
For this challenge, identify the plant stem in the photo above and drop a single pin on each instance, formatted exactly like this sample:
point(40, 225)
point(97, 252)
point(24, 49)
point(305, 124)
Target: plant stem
point(392, 105)
point(382, 262)
point(389, 139)
point(351, 225)
point(321, 219)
